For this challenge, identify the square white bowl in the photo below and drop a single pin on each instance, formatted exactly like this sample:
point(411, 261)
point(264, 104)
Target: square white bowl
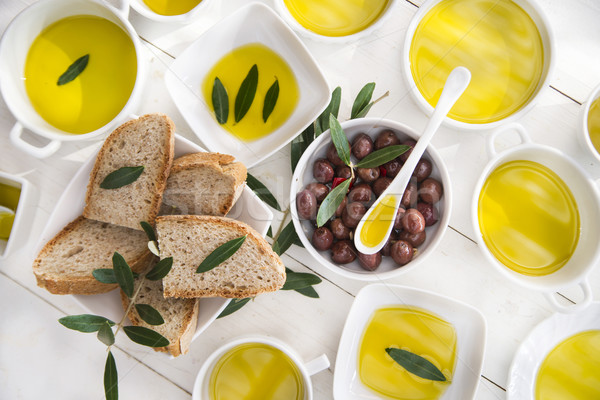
point(23, 185)
point(468, 322)
point(249, 209)
point(254, 23)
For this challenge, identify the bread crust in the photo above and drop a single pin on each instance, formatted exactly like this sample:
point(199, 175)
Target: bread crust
point(94, 191)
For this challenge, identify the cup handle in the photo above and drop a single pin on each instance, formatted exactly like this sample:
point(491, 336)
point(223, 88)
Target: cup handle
point(491, 147)
point(317, 365)
point(587, 299)
point(37, 152)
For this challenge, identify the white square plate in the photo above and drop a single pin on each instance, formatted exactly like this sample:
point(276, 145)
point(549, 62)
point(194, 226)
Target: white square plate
point(254, 23)
point(468, 322)
point(542, 339)
point(249, 209)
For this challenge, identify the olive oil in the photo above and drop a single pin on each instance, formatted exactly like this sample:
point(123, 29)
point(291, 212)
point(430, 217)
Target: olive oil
point(413, 329)
point(528, 218)
point(9, 198)
point(570, 370)
point(336, 17)
point(171, 7)
point(495, 39)
point(99, 92)
point(256, 371)
point(231, 71)
point(594, 123)
point(376, 226)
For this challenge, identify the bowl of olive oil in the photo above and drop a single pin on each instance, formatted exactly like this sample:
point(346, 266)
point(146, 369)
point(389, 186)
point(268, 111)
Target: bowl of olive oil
point(15, 192)
point(534, 212)
point(507, 45)
point(589, 124)
point(69, 70)
point(181, 11)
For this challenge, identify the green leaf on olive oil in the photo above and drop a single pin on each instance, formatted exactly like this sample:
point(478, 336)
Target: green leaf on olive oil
point(111, 378)
point(220, 254)
point(220, 101)
point(332, 202)
point(270, 100)
point(121, 177)
point(381, 156)
point(74, 70)
point(362, 100)
point(416, 364)
point(322, 123)
point(339, 139)
point(245, 95)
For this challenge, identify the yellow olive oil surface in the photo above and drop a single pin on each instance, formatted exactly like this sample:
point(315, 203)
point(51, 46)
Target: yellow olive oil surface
point(171, 7)
point(495, 39)
point(256, 371)
point(376, 226)
point(9, 198)
point(412, 329)
point(98, 94)
point(594, 123)
point(571, 370)
point(336, 17)
point(528, 218)
point(231, 71)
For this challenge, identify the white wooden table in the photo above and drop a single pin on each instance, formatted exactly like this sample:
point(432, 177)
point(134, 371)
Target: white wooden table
point(39, 358)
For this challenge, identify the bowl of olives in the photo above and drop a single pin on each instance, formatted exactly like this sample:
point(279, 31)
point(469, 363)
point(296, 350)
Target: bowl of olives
point(420, 222)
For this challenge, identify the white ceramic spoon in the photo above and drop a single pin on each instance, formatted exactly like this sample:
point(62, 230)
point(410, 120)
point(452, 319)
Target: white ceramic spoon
point(455, 85)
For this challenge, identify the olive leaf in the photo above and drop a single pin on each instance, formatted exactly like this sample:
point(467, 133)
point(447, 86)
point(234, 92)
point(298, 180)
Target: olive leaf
point(339, 139)
point(111, 378)
point(106, 335)
point(245, 95)
point(322, 122)
point(301, 143)
point(220, 254)
point(123, 274)
point(107, 275)
point(149, 231)
point(416, 364)
point(270, 100)
point(220, 101)
point(362, 104)
point(121, 177)
point(145, 336)
point(300, 280)
point(332, 202)
point(233, 306)
point(161, 269)
point(308, 291)
point(149, 314)
point(262, 192)
point(85, 322)
point(74, 70)
point(286, 238)
point(381, 156)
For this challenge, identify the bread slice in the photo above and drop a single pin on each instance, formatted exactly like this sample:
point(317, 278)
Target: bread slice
point(255, 268)
point(180, 315)
point(65, 263)
point(147, 141)
point(203, 184)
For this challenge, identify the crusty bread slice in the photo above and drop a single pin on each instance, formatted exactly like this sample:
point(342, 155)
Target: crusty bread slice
point(65, 263)
point(203, 184)
point(147, 141)
point(255, 268)
point(180, 315)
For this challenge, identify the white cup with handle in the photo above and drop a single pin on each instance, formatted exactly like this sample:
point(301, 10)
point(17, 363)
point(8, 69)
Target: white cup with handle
point(14, 48)
point(306, 370)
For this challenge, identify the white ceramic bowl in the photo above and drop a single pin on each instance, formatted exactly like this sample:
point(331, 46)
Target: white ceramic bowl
point(468, 322)
point(6, 246)
point(250, 24)
point(201, 385)
point(140, 7)
point(303, 175)
point(249, 209)
point(586, 194)
point(537, 15)
point(15, 44)
point(291, 21)
point(540, 341)
point(583, 132)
